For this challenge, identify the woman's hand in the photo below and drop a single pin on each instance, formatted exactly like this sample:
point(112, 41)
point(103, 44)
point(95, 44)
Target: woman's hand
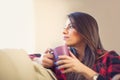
point(47, 59)
point(69, 63)
point(72, 64)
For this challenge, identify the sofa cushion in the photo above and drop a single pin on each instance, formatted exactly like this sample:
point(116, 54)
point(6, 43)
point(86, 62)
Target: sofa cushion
point(16, 65)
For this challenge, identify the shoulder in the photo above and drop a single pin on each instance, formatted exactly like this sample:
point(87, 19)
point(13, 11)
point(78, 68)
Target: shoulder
point(113, 57)
point(113, 63)
point(110, 57)
point(110, 54)
point(109, 64)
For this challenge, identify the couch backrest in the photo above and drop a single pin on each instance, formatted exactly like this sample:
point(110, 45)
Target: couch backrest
point(16, 65)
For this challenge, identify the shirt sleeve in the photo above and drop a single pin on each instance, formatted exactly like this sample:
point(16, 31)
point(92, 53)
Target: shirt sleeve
point(32, 56)
point(109, 66)
point(113, 65)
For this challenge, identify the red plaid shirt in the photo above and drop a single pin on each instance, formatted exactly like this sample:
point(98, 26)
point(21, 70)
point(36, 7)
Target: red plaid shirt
point(107, 66)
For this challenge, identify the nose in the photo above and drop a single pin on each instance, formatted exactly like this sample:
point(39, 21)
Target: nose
point(65, 30)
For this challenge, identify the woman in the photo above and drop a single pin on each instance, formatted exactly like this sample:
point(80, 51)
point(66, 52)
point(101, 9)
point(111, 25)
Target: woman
point(88, 59)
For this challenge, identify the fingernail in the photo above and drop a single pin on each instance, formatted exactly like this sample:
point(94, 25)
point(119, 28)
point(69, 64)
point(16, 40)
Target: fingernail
point(56, 57)
point(57, 67)
point(55, 63)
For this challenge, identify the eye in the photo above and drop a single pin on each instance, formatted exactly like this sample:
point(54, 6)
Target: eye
point(70, 26)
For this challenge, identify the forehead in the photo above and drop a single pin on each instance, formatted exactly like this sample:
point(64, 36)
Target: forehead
point(68, 22)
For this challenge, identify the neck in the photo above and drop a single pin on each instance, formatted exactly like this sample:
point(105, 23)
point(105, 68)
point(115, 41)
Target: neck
point(81, 51)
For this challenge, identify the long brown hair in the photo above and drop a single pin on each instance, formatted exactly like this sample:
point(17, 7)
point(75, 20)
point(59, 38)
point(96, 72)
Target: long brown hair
point(86, 26)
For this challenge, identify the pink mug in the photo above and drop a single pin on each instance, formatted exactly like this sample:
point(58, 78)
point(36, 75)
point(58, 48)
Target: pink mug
point(60, 50)
point(57, 51)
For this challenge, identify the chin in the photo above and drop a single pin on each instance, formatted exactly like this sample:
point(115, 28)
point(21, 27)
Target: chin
point(68, 44)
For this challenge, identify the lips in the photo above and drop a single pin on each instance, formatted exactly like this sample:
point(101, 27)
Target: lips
point(65, 37)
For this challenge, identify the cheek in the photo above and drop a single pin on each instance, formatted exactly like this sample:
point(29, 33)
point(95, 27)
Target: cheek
point(75, 35)
point(76, 38)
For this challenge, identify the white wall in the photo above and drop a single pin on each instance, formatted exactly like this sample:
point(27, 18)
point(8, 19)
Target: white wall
point(17, 24)
point(18, 30)
point(107, 14)
point(50, 19)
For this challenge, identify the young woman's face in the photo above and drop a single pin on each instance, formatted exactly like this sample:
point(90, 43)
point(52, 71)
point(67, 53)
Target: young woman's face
point(71, 36)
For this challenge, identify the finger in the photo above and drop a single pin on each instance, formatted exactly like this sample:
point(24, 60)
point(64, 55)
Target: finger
point(72, 55)
point(47, 62)
point(66, 70)
point(60, 62)
point(49, 50)
point(62, 57)
point(50, 56)
point(65, 66)
point(47, 65)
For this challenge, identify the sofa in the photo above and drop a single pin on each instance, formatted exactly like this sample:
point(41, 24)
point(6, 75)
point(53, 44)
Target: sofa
point(15, 64)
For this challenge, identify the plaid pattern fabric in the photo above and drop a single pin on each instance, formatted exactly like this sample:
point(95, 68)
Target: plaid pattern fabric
point(57, 72)
point(108, 65)
point(32, 56)
point(59, 75)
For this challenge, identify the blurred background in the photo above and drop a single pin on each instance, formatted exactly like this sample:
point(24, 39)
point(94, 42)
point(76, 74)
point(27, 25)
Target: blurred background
point(35, 25)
